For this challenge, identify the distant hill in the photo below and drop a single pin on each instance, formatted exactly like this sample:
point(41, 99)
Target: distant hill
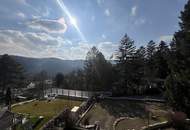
point(51, 65)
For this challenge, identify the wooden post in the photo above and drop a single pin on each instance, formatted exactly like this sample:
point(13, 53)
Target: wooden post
point(147, 110)
point(148, 118)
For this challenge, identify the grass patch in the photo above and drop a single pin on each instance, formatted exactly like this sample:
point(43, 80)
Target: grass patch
point(45, 108)
point(33, 119)
point(46, 119)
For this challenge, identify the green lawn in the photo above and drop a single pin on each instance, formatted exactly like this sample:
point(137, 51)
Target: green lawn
point(45, 108)
point(106, 112)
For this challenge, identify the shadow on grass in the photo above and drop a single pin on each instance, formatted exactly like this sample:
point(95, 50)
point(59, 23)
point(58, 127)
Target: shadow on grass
point(123, 108)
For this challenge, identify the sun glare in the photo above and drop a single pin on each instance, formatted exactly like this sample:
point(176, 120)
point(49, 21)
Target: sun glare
point(73, 21)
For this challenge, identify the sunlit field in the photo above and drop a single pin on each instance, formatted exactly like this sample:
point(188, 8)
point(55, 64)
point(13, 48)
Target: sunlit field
point(45, 108)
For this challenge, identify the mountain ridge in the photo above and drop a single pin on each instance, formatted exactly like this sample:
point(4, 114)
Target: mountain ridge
point(50, 65)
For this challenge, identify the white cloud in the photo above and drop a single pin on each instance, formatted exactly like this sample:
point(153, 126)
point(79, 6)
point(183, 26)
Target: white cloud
point(103, 36)
point(12, 42)
point(134, 11)
point(140, 21)
point(50, 26)
point(46, 12)
point(20, 14)
point(40, 45)
point(36, 16)
point(107, 12)
point(107, 48)
point(166, 38)
point(30, 44)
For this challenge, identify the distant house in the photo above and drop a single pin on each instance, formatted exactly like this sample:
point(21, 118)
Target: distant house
point(20, 98)
point(49, 82)
point(6, 120)
point(31, 85)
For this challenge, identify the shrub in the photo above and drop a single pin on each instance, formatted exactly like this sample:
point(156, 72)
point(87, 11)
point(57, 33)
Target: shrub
point(178, 120)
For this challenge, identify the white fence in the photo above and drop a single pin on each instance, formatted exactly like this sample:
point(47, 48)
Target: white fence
point(72, 93)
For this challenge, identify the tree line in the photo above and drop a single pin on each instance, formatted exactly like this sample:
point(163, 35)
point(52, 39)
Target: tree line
point(152, 69)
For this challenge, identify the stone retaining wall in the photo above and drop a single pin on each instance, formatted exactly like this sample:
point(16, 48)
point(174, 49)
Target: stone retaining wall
point(156, 126)
point(84, 108)
point(60, 118)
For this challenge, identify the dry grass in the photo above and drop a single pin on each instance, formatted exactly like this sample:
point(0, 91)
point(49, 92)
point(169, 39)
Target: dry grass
point(106, 112)
point(45, 108)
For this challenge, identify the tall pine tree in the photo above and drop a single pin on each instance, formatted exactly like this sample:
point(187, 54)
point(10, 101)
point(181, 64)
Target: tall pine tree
point(126, 56)
point(161, 61)
point(11, 73)
point(98, 71)
point(178, 82)
point(150, 62)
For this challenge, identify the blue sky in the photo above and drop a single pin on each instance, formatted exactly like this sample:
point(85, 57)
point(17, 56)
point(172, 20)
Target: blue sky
point(67, 29)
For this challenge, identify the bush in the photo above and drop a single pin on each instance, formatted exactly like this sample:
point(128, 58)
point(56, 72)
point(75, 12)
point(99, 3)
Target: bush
point(177, 93)
point(178, 120)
